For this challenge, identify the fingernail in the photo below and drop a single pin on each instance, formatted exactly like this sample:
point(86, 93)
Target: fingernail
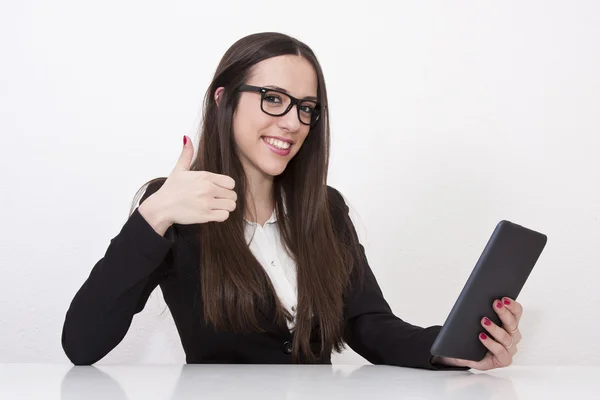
point(486, 321)
point(483, 336)
point(498, 304)
point(184, 140)
point(506, 301)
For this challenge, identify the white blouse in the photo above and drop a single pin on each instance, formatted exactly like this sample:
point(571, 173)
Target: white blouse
point(267, 246)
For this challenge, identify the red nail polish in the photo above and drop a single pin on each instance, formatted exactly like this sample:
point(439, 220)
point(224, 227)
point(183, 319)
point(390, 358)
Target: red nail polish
point(487, 322)
point(506, 301)
point(498, 305)
point(184, 140)
point(483, 336)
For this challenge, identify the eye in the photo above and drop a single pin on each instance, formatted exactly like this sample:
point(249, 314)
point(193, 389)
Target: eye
point(307, 108)
point(273, 98)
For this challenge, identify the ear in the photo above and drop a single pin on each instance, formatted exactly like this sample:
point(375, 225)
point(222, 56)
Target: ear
point(219, 94)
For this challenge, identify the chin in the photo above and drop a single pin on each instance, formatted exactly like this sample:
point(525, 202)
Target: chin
point(272, 169)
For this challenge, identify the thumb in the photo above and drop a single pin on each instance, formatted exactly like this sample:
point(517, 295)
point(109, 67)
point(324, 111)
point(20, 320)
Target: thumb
point(185, 159)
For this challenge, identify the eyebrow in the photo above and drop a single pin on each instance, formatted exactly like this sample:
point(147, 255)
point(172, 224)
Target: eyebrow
point(285, 91)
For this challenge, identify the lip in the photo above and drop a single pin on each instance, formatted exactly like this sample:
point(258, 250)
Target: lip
point(276, 150)
point(290, 141)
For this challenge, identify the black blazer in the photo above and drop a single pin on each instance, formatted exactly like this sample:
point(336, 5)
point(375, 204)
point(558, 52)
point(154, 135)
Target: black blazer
point(138, 259)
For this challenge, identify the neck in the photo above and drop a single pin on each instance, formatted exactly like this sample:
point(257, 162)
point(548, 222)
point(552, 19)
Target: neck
point(259, 197)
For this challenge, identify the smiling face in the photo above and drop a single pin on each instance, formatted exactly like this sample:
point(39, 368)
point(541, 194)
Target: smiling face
point(264, 143)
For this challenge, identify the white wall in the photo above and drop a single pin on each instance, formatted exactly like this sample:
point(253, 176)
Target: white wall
point(446, 118)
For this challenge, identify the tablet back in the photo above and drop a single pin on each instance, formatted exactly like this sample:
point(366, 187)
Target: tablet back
point(501, 271)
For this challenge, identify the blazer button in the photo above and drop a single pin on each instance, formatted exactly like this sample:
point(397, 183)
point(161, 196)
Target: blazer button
point(287, 347)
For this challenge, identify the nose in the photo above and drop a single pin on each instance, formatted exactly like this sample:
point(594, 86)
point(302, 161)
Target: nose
point(290, 121)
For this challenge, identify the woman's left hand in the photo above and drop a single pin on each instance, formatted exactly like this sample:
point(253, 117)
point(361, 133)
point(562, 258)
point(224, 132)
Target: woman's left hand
point(502, 344)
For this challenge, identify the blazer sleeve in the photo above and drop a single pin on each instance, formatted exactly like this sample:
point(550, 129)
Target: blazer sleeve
point(371, 328)
point(119, 285)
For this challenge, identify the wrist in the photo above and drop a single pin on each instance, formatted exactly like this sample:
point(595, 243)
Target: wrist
point(436, 360)
point(155, 215)
point(439, 360)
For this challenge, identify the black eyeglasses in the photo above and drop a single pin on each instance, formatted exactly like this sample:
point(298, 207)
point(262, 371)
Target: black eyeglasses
point(277, 103)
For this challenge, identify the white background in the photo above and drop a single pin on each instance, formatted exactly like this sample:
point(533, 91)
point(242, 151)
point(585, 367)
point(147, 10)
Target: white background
point(446, 118)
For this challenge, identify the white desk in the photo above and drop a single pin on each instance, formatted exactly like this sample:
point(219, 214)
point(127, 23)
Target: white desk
point(149, 382)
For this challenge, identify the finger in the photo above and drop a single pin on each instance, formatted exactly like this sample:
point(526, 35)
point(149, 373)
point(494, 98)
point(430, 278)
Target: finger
point(459, 362)
point(516, 337)
point(219, 215)
point(223, 181)
point(509, 321)
point(222, 204)
point(499, 334)
point(184, 162)
point(500, 352)
point(222, 193)
point(514, 307)
point(486, 363)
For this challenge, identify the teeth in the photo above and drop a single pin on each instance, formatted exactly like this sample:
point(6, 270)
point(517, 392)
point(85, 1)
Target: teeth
point(277, 143)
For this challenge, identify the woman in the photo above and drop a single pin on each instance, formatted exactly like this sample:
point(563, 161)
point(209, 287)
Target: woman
point(256, 256)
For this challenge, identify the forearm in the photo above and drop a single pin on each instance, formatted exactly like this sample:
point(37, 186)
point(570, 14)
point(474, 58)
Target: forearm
point(383, 338)
point(117, 287)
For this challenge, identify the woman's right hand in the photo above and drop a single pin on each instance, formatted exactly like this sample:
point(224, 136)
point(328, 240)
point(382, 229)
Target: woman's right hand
point(189, 197)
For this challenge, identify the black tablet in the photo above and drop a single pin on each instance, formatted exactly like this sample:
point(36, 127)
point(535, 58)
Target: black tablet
point(501, 271)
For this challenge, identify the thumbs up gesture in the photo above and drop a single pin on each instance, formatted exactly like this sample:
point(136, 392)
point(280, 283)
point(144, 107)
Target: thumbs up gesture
point(190, 197)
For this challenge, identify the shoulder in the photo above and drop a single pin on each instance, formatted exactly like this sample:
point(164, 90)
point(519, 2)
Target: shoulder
point(335, 197)
point(337, 205)
point(333, 193)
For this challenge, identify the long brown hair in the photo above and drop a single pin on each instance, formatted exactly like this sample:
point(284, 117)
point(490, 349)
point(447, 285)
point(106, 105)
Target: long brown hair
point(233, 283)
